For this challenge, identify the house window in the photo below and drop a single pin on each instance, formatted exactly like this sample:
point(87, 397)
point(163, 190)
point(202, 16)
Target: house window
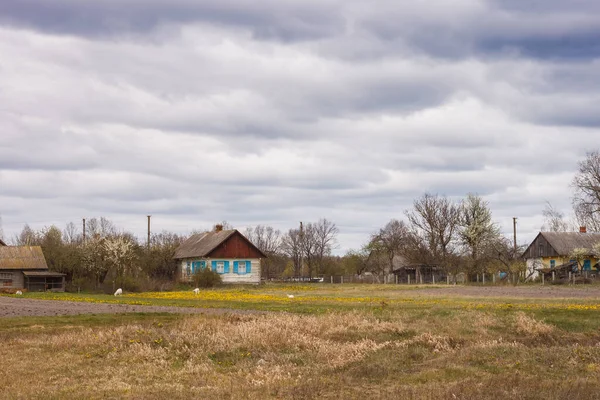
point(198, 266)
point(587, 265)
point(220, 267)
point(6, 279)
point(241, 267)
point(188, 269)
point(552, 263)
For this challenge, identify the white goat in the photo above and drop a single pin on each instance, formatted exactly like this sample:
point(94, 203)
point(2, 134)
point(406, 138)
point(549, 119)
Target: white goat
point(119, 292)
point(290, 296)
point(19, 293)
point(196, 291)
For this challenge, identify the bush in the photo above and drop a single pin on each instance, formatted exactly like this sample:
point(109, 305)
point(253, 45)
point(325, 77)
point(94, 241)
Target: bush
point(207, 278)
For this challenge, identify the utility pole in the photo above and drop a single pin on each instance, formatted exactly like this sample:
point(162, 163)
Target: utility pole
point(515, 233)
point(149, 232)
point(301, 247)
point(84, 230)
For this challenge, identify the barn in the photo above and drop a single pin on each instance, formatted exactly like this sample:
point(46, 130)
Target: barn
point(227, 252)
point(24, 267)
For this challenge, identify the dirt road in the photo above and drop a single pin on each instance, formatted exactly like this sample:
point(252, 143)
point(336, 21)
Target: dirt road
point(21, 307)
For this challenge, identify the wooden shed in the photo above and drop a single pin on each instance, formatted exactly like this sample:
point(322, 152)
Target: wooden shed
point(227, 252)
point(24, 267)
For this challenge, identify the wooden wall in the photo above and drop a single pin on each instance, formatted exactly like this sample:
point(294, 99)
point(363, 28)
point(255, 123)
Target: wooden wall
point(235, 247)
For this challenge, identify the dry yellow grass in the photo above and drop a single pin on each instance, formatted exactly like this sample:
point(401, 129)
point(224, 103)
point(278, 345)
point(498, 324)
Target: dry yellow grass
point(464, 354)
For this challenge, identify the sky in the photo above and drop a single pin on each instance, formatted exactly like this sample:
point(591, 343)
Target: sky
point(276, 112)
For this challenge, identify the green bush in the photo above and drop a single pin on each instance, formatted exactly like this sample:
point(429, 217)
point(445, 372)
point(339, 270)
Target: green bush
point(207, 278)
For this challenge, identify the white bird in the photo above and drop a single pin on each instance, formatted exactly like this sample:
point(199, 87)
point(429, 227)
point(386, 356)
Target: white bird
point(119, 292)
point(196, 291)
point(290, 296)
point(19, 293)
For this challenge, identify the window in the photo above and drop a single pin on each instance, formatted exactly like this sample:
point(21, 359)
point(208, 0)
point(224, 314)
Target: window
point(242, 267)
point(221, 267)
point(587, 265)
point(552, 263)
point(6, 279)
point(188, 269)
point(198, 266)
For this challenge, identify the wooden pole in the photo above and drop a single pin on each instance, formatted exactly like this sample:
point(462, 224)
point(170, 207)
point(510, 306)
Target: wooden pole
point(552, 276)
point(409, 279)
point(483, 275)
point(84, 230)
point(148, 243)
point(515, 233)
point(543, 282)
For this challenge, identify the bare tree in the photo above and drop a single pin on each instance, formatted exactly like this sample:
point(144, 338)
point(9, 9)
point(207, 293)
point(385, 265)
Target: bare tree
point(291, 245)
point(586, 200)
point(476, 228)
point(502, 255)
point(435, 219)
point(71, 233)
point(554, 220)
point(269, 241)
point(27, 237)
point(102, 227)
point(325, 237)
point(391, 240)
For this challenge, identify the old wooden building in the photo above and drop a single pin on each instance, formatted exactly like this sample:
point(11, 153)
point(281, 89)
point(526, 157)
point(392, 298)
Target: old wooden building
point(24, 267)
point(551, 249)
point(227, 252)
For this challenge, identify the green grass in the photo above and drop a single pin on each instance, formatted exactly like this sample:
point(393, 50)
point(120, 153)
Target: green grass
point(332, 346)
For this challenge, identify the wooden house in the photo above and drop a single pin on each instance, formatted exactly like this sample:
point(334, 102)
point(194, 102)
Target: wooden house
point(24, 267)
point(227, 252)
point(552, 249)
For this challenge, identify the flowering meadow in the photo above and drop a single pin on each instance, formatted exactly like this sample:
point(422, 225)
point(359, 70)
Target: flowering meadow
point(335, 342)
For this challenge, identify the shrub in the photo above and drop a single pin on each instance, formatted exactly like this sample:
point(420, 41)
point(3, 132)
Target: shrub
point(207, 278)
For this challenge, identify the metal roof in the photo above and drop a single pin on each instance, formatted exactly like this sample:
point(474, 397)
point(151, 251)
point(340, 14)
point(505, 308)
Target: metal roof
point(22, 257)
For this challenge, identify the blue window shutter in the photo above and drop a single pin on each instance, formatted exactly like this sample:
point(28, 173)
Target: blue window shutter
point(226, 267)
point(552, 263)
point(213, 266)
point(248, 267)
point(193, 267)
point(587, 264)
point(235, 267)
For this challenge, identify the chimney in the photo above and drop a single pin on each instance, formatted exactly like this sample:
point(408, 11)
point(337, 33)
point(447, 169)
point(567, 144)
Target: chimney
point(218, 228)
point(582, 229)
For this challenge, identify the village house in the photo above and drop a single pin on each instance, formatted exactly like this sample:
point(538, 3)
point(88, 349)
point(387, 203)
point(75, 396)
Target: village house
point(227, 252)
point(550, 250)
point(24, 267)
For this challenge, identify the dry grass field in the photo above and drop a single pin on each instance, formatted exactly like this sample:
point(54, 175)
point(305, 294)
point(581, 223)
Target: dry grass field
point(335, 342)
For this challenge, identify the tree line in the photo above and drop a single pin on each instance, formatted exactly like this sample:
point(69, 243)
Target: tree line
point(455, 235)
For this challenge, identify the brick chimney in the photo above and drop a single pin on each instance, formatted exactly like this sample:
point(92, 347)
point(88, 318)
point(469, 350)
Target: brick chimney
point(218, 228)
point(582, 229)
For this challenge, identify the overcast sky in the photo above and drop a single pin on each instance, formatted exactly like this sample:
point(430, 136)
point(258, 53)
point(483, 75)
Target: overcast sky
point(275, 112)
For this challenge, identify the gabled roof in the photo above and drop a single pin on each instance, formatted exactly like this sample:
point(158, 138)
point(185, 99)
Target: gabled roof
point(22, 258)
point(202, 244)
point(565, 242)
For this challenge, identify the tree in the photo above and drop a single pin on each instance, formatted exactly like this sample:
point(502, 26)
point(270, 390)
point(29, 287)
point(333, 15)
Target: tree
point(27, 237)
point(476, 228)
point(159, 262)
point(580, 255)
point(269, 241)
point(586, 200)
point(554, 220)
point(291, 245)
point(357, 262)
point(325, 236)
point(435, 220)
point(503, 256)
point(71, 233)
point(119, 255)
point(391, 241)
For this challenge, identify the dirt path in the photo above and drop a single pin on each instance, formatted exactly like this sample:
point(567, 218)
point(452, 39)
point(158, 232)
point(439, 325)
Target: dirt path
point(20, 307)
point(534, 292)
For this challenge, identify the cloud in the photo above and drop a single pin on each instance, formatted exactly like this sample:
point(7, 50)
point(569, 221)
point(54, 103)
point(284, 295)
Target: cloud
point(281, 112)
